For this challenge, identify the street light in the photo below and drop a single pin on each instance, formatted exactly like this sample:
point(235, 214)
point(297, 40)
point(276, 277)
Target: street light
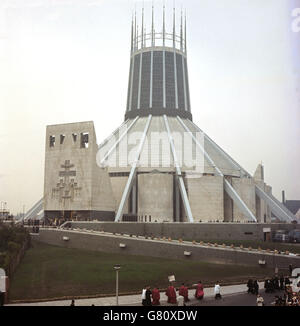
point(117, 268)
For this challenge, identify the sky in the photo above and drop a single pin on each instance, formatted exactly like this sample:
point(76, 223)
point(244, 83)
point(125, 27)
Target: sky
point(67, 61)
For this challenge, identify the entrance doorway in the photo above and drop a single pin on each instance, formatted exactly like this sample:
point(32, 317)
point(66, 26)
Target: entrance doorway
point(267, 234)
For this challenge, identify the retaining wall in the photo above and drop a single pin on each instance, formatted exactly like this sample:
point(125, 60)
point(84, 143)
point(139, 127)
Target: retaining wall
point(191, 231)
point(164, 249)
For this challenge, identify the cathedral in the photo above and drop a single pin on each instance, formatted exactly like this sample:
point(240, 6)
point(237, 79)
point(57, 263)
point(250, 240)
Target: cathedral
point(158, 166)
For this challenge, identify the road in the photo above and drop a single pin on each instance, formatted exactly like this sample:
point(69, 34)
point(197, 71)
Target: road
point(243, 299)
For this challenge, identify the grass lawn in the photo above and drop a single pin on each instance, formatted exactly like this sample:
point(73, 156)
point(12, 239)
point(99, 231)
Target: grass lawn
point(51, 272)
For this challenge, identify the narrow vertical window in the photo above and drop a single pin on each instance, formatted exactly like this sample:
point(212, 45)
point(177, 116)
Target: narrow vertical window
point(52, 141)
point(84, 142)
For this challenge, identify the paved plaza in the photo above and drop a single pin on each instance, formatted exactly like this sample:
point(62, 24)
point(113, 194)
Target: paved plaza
point(135, 300)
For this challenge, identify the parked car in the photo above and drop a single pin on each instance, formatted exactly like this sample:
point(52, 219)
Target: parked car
point(281, 236)
point(294, 236)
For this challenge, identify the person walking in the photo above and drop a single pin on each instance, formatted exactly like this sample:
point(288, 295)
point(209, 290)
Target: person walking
point(276, 283)
point(72, 303)
point(155, 297)
point(250, 286)
point(217, 291)
point(144, 296)
point(180, 300)
point(171, 294)
point(148, 296)
point(199, 294)
point(255, 287)
point(183, 291)
point(266, 285)
point(281, 280)
point(259, 301)
point(287, 281)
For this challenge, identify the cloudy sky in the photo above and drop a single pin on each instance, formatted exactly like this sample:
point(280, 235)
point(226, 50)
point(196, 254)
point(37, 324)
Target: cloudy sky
point(66, 60)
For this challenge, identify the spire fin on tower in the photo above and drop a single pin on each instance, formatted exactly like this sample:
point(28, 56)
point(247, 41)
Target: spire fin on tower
point(142, 30)
point(152, 26)
point(164, 25)
point(135, 34)
point(185, 48)
point(132, 36)
point(181, 31)
point(174, 28)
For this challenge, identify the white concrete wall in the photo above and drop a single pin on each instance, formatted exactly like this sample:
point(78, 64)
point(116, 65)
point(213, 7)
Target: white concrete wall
point(155, 196)
point(245, 187)
point(262, 208)
point(228, 208)
point(88, 179)
point(103, 198)
point(268, 190)
point(118, 185)
point(206, 196)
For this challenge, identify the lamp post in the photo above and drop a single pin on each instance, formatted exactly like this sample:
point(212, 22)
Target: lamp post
point(117, 268)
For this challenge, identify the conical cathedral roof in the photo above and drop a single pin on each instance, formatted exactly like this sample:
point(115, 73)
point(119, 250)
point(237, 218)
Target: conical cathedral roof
point(155, 156)
point(159, 86)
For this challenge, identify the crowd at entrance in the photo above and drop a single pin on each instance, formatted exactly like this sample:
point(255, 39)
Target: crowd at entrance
point(289, 298)
point(273, 285)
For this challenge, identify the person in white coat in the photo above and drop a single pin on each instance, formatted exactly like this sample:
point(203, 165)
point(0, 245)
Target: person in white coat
point(259, 301)
point(217, 291)
point(144, 296)
point(180, 301)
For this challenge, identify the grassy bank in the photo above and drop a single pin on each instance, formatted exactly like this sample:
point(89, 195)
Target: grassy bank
point(50, 272)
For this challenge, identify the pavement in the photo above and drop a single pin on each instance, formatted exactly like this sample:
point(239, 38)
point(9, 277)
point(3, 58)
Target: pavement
point(242, 299)
point(135, 300)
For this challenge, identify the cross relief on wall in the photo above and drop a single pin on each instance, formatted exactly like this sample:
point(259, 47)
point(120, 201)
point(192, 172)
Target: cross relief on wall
point(67, 188)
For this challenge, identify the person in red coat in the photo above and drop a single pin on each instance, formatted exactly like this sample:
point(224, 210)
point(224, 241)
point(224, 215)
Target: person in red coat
point(171, 294)
point(183, 290)
point(155, 297)
point(199, 294)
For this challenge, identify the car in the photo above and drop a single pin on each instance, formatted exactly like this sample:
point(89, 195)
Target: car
point(294, 236)
point(280, 236)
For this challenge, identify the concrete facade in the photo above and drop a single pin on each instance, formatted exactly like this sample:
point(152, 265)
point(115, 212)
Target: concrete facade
point(192, 231)
point(118, 185)
point(263, 212)
point(228, 208)
point(163, 249)
point(73, 181)
point(206, 198)
point(245, 189)
point(155, 196)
